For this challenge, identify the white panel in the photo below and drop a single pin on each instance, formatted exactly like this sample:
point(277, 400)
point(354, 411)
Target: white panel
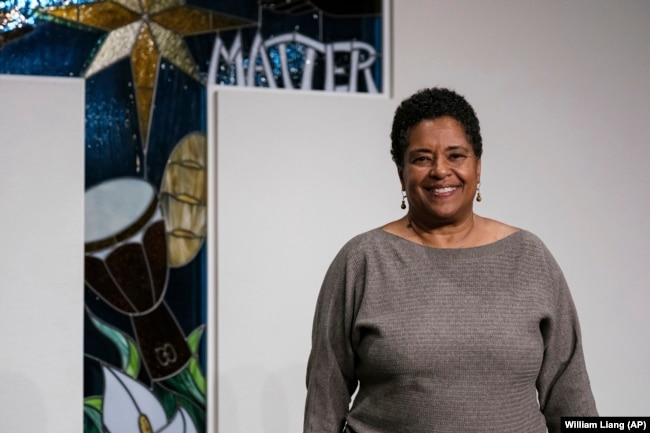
point(41, 254)
point(297, 175)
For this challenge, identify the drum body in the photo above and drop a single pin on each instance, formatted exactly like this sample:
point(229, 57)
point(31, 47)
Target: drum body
point(126, 266)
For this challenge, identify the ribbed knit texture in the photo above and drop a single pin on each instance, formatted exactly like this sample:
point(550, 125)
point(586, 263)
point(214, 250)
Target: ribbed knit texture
point(482, 339)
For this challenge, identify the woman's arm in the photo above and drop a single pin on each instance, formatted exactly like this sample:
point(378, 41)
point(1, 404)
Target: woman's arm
point(563, 382)
point(331, 376)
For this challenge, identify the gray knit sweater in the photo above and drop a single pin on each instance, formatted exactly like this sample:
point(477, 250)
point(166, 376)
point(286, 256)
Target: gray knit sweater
point(482, 339)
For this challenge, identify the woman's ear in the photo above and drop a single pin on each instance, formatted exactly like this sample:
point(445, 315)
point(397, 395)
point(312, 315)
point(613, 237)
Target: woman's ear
point(400, 173)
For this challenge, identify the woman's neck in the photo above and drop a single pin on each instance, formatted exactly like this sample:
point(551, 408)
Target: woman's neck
point(459, 234)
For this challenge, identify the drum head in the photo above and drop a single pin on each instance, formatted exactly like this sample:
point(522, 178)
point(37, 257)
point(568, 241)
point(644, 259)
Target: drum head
point(116, 210)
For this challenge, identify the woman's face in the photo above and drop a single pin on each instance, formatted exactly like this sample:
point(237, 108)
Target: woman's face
point(440, 173)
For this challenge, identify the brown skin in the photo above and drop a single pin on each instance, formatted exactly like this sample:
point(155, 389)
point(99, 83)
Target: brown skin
point(440, 174)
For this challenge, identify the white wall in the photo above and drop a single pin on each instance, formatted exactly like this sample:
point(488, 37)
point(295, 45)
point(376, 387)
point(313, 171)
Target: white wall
point(41, 254)
point(561, 89)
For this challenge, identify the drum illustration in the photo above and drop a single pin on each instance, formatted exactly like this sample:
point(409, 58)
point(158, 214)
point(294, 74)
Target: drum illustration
point(126, 266)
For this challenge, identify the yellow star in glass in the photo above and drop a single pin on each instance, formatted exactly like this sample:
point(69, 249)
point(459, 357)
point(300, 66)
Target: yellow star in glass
point(146, 30)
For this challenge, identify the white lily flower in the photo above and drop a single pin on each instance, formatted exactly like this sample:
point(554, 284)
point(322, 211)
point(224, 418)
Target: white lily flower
point(129, 407)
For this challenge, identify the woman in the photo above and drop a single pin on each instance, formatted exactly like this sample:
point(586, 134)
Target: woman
point(445, 320)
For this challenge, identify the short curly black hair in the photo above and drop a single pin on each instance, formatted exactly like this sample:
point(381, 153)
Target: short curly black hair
point(430, 104)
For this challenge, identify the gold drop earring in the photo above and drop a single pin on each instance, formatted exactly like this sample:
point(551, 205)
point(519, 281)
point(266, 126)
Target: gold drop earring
point(478, 193)
point(403, 206)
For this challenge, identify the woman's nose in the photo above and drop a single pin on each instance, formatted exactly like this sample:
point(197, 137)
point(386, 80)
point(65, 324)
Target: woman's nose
point(439, 168)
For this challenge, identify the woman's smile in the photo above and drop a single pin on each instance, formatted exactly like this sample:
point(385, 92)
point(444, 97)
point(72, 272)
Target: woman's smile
point(442, 191)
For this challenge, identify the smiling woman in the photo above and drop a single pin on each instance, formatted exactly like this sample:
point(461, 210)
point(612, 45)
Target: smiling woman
point(440, 175)
point(437, 148)
point(444, 320)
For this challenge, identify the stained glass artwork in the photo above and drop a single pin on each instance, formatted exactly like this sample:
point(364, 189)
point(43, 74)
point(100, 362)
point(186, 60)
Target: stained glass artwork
point(146, 65)
point(147, 32)
point(306, 45)
point(126, 265)
point(130, 406)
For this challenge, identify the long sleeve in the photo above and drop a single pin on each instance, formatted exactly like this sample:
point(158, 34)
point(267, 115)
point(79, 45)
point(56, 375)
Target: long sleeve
point(563, 383)
point(331, 369)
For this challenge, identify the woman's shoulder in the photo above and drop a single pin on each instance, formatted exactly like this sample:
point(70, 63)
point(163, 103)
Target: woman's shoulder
point(355, 253)
point(373, 245)
point(491, 230)
point(363, 241)
point(496, 230)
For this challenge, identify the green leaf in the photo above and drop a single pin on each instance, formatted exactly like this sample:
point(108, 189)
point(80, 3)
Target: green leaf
point(184, 384)
point(193, 367)
point(166, 398)
point(94, 402)
point(195, 338)
point(125, 345)
point(197, 375)
point(196, 413)
point(92, 419)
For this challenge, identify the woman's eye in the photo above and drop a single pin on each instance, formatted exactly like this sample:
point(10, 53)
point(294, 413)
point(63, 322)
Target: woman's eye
point(456, 156)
